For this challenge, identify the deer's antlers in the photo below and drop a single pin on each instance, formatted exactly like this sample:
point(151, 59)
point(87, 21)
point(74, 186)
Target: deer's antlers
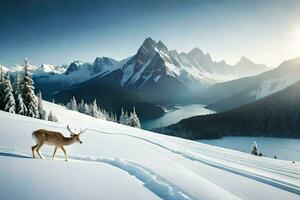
point(81, 130)
point(68, 127)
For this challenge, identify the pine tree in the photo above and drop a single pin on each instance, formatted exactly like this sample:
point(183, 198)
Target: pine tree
point(20, 106)
point(86, 109)
point(123, 119)
point(9, 100)
point(254, 150)
point(126, 115)
point(73, 103)
point(81, 106)
point(1, 89)
point(28, 95)
point(42, 113)
point(94, 109)
point(101, 115)
point(134, 120)
point(52, 117)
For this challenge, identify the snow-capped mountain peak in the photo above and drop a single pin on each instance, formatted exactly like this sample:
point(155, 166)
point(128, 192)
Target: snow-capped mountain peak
point(103, 64)
point(245, 65)
point(244, 61)
point(153, 70)
point(150, 62)
point(52, 69)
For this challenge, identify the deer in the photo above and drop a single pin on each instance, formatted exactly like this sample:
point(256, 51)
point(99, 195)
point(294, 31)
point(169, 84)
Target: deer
point(56, 139)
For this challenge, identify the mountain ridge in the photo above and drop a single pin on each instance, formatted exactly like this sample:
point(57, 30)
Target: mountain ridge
point(228, 95)
point(276, 115)
point(156, 74)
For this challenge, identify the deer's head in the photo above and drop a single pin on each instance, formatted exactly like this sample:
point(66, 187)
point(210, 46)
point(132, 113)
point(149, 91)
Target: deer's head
point(75, 136)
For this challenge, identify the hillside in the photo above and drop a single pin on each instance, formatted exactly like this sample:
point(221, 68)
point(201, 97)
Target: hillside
point(277, 115)
point(119, 162)
point(232, 94)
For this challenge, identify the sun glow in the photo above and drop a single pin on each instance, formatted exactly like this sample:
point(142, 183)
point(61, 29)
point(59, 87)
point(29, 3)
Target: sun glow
point(294, 39)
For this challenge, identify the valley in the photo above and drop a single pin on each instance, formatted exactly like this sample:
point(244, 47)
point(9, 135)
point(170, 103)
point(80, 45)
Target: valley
point(174, 114)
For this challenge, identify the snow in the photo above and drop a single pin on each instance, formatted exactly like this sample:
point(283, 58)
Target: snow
point(52, 68)
point(135, 77)
point(120, 162)
point(282, 148)
point(4, 69)
point(157, 78)
point(128, 71)
point(274, 85)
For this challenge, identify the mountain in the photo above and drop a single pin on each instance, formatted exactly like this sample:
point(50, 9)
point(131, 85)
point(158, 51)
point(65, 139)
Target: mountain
point(232, 94)
point(167, 77)
point(121, 162)
point(52, 69)
point(60, 78)
point(110, 95)
point(154, 75)
point(277, 115)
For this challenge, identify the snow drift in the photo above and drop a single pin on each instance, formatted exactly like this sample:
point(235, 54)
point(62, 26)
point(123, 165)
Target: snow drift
point(120, 162)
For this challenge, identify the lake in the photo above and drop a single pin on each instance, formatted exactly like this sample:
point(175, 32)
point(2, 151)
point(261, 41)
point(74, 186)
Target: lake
point(283, 148)
point(175, 115)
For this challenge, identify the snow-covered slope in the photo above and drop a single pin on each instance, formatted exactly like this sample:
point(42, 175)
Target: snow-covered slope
point(232, 94)
point(273, 85)
point(119, 162)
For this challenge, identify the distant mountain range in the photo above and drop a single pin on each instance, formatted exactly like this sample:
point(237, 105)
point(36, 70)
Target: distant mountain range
point(277, 115)
point(263, 105)
point(153, 76)
point(232, 94)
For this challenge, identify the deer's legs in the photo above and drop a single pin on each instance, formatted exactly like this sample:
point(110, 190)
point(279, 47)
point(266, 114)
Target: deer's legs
point(54, 153)
point(38, 150)
point(33, 148)
point(63, 149)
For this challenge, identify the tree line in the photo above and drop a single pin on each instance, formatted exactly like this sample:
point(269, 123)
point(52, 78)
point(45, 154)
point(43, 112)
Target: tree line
point(92, 109)
point(20, 98)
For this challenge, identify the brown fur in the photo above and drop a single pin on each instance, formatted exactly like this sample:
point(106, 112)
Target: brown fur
point(56, 139)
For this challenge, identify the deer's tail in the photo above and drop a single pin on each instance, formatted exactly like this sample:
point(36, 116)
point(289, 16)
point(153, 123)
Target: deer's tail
point(34, 134)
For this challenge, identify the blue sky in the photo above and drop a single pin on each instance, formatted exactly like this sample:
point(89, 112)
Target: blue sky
point(60, 31)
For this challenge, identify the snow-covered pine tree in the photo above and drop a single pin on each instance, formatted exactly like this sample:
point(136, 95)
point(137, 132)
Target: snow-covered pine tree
point(9, 100)
point(123, 119)
point(254, 149)
point(28, 95)
point(52, 117)
point(1, 90)
point(114, 118)
point(86, 109)
point(73, 103)
point(134, 120)
point(20, 106)
point(41, 111)
point(101, 114)
point(94, 109)
point(80, 106)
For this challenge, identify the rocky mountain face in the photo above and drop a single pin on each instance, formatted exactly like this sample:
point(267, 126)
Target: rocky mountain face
point(195, 70)
point(165, 77)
